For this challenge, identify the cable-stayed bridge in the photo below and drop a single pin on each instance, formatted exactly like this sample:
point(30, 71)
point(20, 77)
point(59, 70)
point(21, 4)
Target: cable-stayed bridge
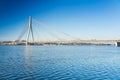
point(30, 36)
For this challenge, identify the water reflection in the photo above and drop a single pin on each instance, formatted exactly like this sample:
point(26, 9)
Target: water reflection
point(28, 59)
point(59, 63)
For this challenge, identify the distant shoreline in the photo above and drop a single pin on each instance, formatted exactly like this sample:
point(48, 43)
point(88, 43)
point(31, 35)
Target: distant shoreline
point(42, 44)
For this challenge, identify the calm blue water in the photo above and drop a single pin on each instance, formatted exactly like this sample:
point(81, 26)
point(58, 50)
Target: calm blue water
point(59, 63)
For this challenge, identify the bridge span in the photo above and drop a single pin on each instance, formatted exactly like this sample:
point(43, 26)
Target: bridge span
point(59, 41)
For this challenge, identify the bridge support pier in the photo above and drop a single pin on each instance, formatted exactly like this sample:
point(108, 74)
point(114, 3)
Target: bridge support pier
point(117, 44)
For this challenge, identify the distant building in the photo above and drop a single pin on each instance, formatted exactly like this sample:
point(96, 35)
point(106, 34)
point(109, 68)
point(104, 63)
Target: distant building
point(117, 44)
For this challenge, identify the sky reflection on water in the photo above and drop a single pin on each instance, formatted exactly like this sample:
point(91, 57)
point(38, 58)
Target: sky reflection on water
point(59, 63)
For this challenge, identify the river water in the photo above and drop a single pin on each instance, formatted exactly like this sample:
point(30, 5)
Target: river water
point(59, 63)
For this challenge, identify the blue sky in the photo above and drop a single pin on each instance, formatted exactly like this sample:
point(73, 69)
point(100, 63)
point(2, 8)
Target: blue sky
point(84, 19)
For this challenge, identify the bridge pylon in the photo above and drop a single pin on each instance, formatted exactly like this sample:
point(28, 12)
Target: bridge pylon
point(30, 31)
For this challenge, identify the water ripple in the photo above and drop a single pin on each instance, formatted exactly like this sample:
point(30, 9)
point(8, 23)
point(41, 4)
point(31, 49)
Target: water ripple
point(59, 63)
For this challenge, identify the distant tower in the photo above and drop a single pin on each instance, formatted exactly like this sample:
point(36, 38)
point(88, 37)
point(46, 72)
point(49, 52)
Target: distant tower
point(30, 31)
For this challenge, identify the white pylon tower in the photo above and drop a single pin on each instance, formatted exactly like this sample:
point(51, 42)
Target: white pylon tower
point(30, 31)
